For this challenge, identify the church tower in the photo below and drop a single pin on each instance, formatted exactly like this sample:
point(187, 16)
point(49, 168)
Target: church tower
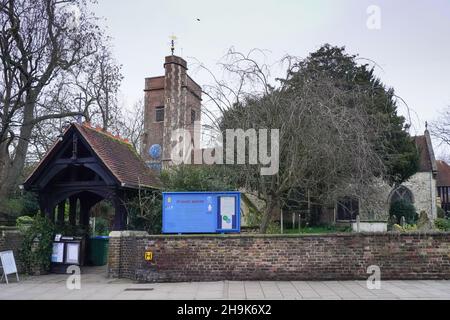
point(172, 102)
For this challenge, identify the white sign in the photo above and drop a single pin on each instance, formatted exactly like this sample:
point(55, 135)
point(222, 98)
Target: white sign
point(227, 206)
point(58, 252)
point(8, 264)
point(227, 222)
point(227, 211)
point(72, 253)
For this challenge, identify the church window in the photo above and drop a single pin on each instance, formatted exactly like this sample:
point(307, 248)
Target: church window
point(193, 116)
point(159, 115)
point(402, 194)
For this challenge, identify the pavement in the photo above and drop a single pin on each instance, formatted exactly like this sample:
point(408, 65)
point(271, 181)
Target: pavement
point(95, 285)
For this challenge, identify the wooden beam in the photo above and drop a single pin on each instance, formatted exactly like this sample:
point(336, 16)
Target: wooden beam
point(120, 217)
point(80, 185)
point(51, 214)
point(76, 161)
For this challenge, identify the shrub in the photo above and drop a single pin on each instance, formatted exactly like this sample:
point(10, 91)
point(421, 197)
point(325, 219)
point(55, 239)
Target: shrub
point(197, 178)
point(30, 204)
point(145, 212)
point(402, 208)
point(442, 224)
point(12, 206)
point(274, 228)
point(101, 227)
point(37, 245)
point(405, 228)
point(24, 205)
point(23, 223)
point(440, 212)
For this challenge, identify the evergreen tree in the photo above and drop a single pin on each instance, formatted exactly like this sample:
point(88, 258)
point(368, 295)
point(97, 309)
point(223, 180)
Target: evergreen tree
point(396, 147)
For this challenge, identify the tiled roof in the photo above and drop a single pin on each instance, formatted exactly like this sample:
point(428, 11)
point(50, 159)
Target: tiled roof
point(427, 161)
point(443, 174)
point(119, 157)
point(424, 159)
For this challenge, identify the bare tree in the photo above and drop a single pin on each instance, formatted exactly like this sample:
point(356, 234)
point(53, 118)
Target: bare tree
point(131, 124)
point(39, 40)
point(98, 81)
point(440, 128)
point(90, 89)
point(326, 138)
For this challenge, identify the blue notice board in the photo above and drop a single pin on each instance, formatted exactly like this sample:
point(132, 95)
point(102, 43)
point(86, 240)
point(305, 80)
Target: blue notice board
point(201, 212)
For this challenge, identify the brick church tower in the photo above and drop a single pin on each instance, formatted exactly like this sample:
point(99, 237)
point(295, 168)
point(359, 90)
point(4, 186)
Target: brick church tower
point(172, 101)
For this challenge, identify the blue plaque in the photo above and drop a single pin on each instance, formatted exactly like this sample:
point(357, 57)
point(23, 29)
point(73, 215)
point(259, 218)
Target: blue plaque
point(155, 151)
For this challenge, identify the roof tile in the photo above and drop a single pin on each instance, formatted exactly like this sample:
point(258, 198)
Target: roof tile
point(120, 157)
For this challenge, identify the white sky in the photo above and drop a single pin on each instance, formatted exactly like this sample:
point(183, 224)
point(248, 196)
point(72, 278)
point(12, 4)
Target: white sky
point(412, 47)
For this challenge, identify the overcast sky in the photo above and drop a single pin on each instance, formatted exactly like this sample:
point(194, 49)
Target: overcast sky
point(412, 47)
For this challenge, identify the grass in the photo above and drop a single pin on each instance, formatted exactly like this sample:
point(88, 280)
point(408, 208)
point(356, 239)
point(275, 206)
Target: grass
point(317, 230)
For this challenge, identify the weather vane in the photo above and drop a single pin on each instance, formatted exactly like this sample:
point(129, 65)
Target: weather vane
point(172, 43)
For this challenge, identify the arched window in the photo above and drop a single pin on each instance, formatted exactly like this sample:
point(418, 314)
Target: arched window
point(402, 193)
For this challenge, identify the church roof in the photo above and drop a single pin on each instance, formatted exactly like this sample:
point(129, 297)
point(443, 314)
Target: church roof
point(120, 157)
point(427, 162)
point(443, 175)
point(116, 154)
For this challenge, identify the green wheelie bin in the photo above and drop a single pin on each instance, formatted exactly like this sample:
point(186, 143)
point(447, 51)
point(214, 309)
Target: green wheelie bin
point(98, 250)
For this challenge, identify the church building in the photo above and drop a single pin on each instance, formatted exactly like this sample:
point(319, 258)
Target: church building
point(172, 101)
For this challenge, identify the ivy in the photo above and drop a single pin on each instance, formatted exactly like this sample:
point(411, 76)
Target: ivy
point(35, 252)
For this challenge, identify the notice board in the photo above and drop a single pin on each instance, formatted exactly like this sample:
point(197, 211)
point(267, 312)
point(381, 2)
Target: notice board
point(201, 212)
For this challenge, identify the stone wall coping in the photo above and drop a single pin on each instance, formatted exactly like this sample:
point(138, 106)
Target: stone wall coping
point(3, 233)
point(7, 228)
point(128, 233)
point(145, 235)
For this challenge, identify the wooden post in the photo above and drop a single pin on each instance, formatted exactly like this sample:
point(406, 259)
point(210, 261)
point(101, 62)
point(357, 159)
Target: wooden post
point(42, 205)
point(299, 223)
point(120, 217)
point(61, 211)
point(309, 205)
point(73, 211)
point(84, 212)
point(51, 214)
point(282, 222)
point(293, 220)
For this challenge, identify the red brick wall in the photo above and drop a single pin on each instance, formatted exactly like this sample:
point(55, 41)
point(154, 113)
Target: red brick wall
point(11, 240)
point(154, 97)
point(256, 257)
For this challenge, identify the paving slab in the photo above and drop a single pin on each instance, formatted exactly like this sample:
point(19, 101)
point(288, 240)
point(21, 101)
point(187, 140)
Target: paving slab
point(97, 286)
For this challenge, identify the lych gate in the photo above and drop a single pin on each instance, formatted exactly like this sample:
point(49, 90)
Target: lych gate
point(84, 167)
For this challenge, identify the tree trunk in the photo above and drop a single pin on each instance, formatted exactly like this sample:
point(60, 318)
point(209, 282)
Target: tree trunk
point(4, 159)
point(268, 215)
point(13, 168)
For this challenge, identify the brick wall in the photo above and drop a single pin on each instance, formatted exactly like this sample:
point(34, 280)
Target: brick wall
point(123, 253)
point(257, 257)
point(11, 240)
